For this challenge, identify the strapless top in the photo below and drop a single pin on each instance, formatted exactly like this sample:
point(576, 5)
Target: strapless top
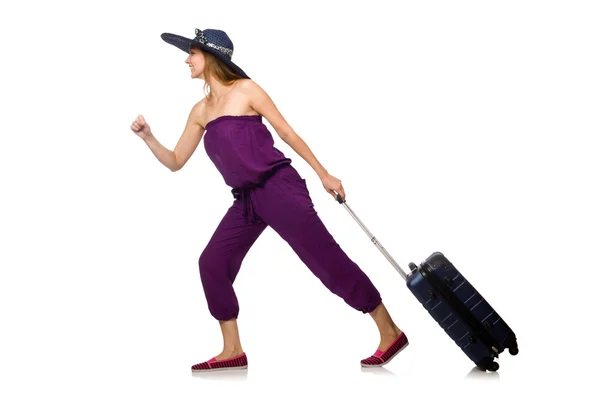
point(242, 149)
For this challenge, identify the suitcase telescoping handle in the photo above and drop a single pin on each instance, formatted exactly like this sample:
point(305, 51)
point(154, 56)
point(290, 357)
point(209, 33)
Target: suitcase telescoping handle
point(373, 239)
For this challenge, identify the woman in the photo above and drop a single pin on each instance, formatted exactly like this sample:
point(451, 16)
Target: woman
point(268, 191)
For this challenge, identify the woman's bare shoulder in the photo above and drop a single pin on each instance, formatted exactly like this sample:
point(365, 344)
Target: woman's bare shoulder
point(247, 85)
point(253, 92)
point(198, 112)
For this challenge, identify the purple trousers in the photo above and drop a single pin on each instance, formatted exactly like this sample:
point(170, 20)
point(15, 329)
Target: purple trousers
point(283, 203)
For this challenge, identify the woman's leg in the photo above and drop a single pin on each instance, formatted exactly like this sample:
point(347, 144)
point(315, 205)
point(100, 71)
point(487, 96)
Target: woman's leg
point(388, 330)
point(285, 205)
point(232, 346)
point(219, 265)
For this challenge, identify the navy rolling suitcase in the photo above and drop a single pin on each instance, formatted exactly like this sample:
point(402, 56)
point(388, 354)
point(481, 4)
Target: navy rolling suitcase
point(456, 306)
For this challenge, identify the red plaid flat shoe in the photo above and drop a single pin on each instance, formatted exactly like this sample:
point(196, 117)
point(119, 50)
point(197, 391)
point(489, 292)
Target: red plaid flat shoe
point(237, 362)
point(381, 358)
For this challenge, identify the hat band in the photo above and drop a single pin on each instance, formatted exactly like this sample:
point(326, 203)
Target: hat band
point(226, 51)
point(200, 38)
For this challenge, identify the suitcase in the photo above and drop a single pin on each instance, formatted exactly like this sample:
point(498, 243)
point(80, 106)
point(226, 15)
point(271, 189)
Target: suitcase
point(456, 305)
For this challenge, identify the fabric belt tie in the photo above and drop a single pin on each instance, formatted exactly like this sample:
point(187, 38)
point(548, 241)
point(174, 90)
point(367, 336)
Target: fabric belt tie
point(248, 208)
point(243, 193)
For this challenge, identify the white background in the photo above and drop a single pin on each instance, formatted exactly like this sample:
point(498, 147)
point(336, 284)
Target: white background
point(466, 127)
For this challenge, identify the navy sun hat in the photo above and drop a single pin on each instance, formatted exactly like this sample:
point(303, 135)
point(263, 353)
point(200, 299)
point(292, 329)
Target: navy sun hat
point(215, 41)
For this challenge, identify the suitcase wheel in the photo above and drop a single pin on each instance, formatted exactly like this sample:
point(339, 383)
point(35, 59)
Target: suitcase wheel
point(513, 349)
point(488, 364)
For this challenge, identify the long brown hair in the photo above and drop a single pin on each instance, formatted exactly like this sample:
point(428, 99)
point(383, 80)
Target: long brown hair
point(215, 68)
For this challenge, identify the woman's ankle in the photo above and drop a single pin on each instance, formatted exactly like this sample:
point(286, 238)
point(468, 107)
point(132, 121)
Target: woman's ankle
point(230, 349)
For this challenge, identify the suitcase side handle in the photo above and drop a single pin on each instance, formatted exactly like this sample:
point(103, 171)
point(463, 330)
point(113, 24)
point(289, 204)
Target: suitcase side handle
point(373, 239)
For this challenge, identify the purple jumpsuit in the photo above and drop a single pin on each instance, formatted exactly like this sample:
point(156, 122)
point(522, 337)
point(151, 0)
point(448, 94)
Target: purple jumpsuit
point(268, 191)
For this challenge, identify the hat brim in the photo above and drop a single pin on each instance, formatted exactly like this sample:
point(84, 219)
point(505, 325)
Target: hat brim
point(183, 43)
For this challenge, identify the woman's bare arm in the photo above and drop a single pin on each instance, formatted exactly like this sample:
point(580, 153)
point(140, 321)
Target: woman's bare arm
point(189, 140)
point(187, 144)
point(263, 104)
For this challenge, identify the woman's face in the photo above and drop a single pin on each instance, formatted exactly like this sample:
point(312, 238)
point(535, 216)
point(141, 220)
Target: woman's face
point(195, 60)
